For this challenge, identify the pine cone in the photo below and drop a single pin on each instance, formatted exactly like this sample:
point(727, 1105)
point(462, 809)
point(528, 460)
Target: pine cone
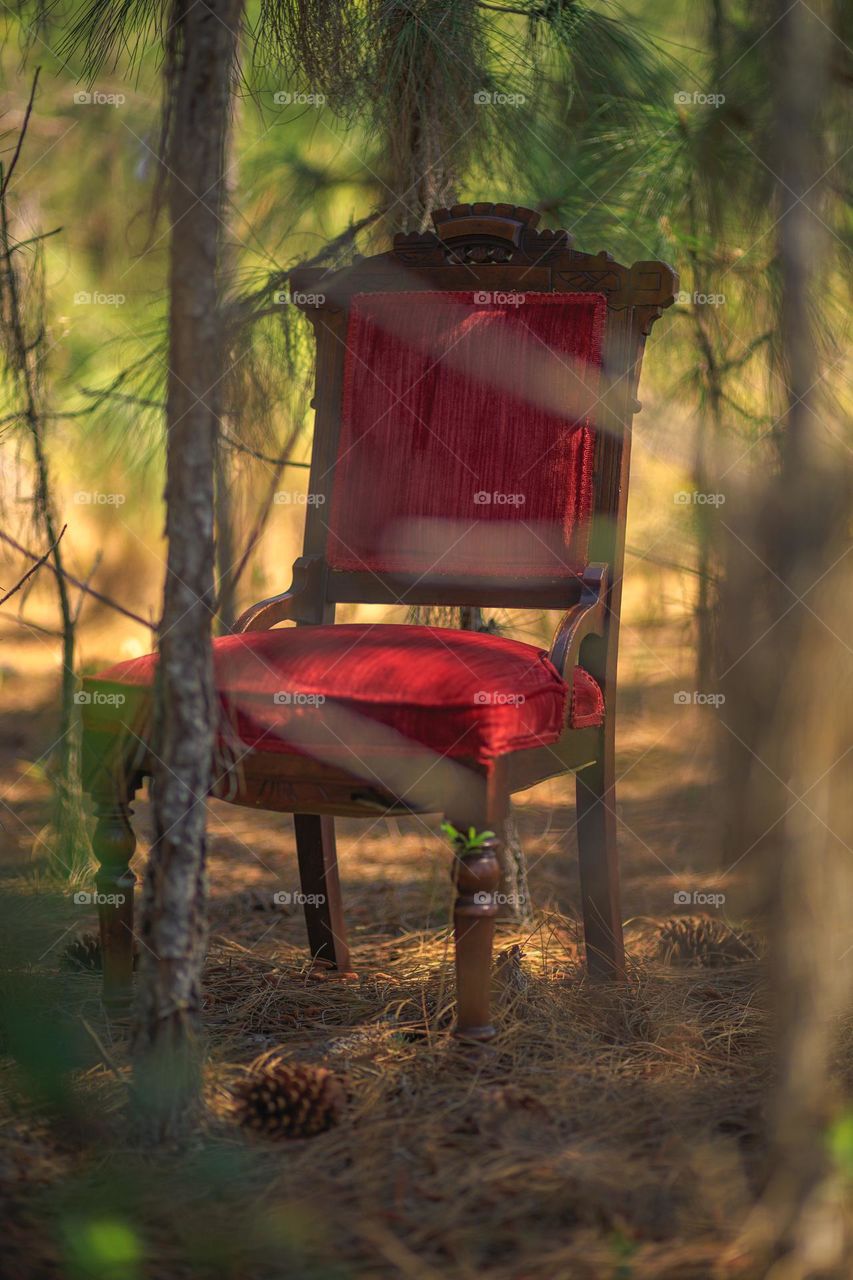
point(705, 941)
point(511, 977)
point(84, 952)
point(288, 1100)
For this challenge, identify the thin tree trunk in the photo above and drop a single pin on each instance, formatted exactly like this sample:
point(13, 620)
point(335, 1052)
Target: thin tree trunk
point(201, 63)
point(227, 505)
point(70, 850)
point(708, 434)
point(226, 551)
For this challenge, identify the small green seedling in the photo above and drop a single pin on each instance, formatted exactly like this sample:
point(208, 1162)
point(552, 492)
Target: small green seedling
point(466, 843)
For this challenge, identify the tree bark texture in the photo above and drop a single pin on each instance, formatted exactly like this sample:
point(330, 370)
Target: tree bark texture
point(199, 73)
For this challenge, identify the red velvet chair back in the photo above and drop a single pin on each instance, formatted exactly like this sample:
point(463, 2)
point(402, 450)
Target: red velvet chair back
point(467, 434)
point(474, 395)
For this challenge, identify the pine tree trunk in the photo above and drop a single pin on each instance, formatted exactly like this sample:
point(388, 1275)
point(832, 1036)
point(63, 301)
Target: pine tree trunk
point(790, 700)
point(174, 927)
point(513, 873)
point(809, 879)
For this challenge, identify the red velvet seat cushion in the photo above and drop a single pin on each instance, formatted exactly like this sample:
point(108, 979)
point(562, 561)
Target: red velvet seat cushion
point(467, 434)
point(378, 687)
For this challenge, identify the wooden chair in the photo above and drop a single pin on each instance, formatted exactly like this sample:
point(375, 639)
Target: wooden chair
point(475, 388)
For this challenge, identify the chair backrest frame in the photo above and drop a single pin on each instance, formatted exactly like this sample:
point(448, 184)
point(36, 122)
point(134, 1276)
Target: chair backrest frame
point(496, 248)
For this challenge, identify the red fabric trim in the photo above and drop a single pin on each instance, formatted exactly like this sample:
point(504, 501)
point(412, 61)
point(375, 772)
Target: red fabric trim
point(587, 701)
point(445, 398)
point(460, 694)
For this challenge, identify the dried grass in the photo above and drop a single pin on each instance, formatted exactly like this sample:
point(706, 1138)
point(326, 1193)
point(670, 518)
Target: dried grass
point(602, 1133)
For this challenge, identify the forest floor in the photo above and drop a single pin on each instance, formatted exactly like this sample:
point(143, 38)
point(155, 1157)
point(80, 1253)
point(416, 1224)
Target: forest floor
point(602, 1134)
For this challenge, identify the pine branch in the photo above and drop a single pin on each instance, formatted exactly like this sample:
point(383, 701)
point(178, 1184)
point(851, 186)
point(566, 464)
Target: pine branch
point(728, 365)
point(82, 586)
point(281, 461)
point(22, 133)
point(33, 570)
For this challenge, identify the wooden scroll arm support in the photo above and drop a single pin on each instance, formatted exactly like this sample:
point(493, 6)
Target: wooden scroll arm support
point(586, 618)
point(299, 604)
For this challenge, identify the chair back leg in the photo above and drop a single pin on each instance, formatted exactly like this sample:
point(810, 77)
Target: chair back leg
point(321, 886)
point(114, 844)
point(599, 865)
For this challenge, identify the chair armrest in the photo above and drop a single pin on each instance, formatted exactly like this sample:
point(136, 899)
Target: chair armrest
point(301, 603)
point(586, 618)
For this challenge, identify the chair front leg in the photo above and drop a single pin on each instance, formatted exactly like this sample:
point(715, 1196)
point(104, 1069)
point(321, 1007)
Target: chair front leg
point(114, 844)
point(476, 875)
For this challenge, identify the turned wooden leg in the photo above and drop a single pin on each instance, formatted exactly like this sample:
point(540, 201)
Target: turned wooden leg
point(599, 866)
point(477, 876)
point(318, 876)
point(114, 844)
